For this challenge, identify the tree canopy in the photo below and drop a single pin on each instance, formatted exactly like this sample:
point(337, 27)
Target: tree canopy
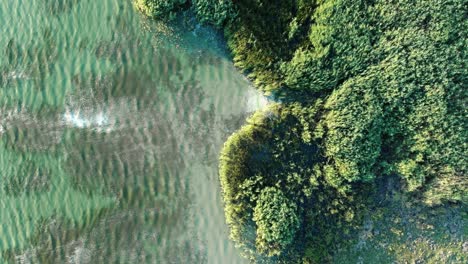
point(276, 220)
point(369, 89)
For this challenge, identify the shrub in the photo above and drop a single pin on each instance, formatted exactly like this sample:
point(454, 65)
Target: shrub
point(215, 12)
point(277, 221)
point(159, 8)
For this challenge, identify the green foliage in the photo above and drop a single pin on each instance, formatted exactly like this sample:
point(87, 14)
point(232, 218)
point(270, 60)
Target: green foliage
point(277, 221)
point(394, 94)
point(448, 186)
point(277, 154)
point(258, 39)
point(370, 89)
point(215, 12)
point(353, 139)
point(392, 88)
point(401, 231)
point(159, 8)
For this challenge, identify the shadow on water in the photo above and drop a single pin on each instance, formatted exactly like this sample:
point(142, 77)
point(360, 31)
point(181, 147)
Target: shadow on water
point(32, 62)
point(58, 7)
point(29, 178)
point(112, 236)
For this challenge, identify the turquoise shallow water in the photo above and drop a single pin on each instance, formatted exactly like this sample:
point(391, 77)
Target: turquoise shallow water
point(110, 130)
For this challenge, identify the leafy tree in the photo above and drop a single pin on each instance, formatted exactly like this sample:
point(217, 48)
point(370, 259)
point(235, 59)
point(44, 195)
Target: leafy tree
point(277, 221)
point(215, 12)
point(159, 8)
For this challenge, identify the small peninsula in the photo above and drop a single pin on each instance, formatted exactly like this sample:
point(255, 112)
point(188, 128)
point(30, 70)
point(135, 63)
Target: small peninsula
point(364, 147)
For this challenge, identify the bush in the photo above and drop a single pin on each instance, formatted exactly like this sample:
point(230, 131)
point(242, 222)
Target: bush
point(159, 8)
point(277, 221)
point(215, 12)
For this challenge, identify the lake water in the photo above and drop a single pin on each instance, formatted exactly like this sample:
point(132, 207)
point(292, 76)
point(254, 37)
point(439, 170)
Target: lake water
point(110, 131)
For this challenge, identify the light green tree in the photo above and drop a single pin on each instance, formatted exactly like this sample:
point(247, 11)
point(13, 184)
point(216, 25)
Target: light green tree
point(277, 221)
point(158, 8)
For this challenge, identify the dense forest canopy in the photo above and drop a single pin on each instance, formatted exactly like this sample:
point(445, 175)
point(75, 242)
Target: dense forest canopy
point(369, 89)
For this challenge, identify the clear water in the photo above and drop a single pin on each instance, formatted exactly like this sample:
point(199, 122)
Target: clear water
point(110, 131)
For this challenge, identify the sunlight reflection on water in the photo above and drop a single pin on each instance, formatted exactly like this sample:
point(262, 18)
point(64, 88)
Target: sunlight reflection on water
point(79, 120)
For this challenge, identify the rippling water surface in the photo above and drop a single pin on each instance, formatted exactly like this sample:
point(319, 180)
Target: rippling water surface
point(110, 130)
